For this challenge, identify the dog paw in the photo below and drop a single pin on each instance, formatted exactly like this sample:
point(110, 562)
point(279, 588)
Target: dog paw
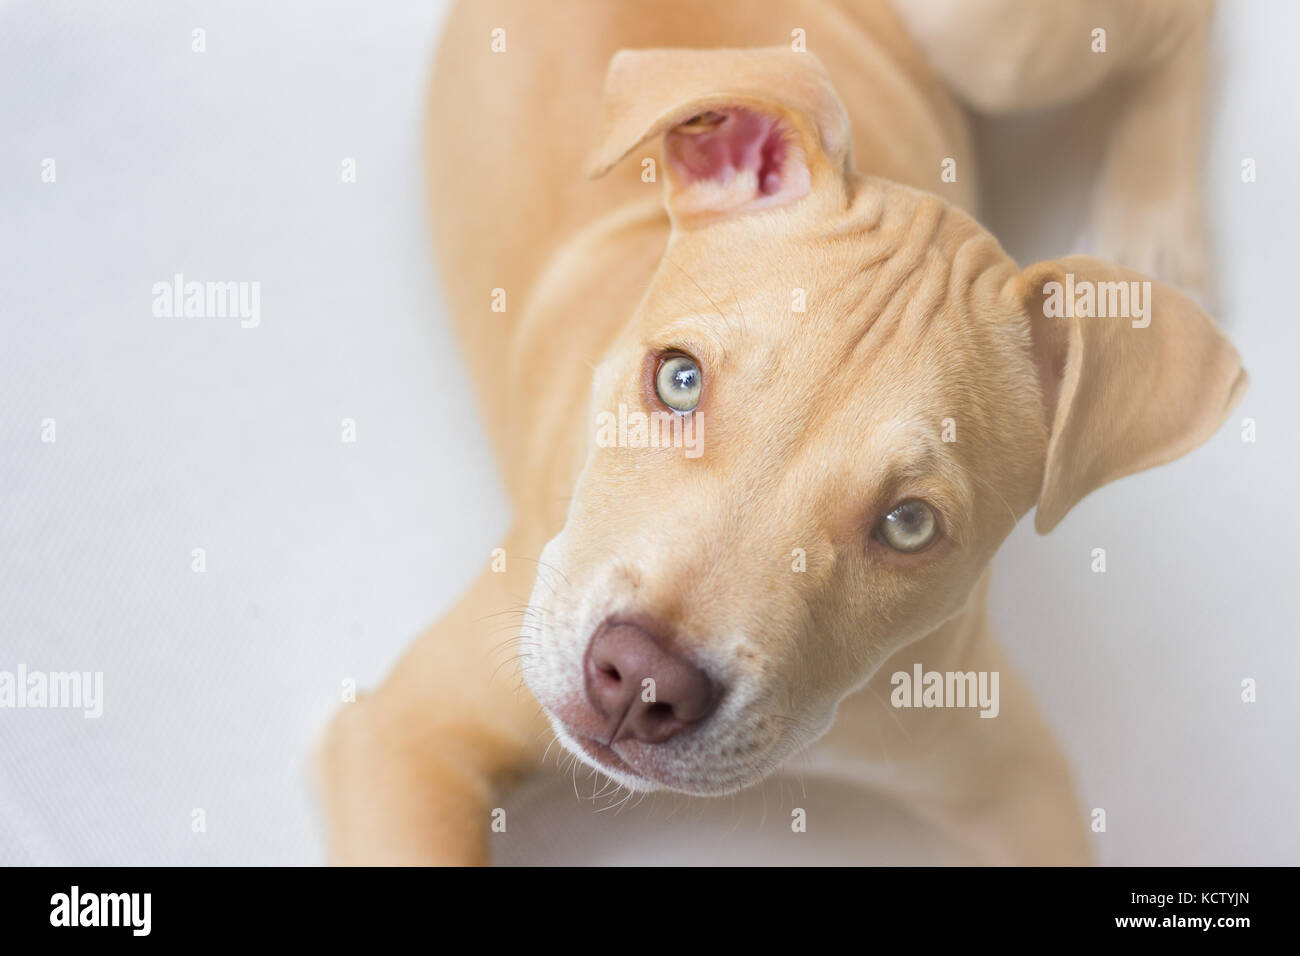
point(1166, 241)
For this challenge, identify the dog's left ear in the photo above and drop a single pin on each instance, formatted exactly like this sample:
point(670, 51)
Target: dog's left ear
point(745, 129)
point(1133, 375)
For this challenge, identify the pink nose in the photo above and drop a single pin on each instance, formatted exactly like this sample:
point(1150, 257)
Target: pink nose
point(642, 690)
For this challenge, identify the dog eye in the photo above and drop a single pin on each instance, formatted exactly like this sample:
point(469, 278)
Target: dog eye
point(909, 527)
point(678, 383)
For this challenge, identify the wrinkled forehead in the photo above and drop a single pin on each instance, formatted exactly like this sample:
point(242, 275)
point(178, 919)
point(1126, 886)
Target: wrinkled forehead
point(874, 339)
point(899, 292)
point(895, 262)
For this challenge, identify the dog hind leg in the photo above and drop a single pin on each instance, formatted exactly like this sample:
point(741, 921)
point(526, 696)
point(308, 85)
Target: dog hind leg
point(1142, 64)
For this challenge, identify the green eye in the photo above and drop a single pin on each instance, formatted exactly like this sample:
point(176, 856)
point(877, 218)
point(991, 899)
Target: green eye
point(909, 527)
point(678, 383)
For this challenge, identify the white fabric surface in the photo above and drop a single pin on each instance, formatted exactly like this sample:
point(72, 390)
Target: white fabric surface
point(324, 559)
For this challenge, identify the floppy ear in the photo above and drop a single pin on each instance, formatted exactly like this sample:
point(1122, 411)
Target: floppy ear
point(1133, 374)
point(745, 129)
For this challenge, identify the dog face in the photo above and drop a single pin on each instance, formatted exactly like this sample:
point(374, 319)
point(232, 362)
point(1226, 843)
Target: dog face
point(834, 402)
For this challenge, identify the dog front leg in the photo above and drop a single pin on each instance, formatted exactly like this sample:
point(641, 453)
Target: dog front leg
point(1002, 785)
point(409, 773)
point(998, 787)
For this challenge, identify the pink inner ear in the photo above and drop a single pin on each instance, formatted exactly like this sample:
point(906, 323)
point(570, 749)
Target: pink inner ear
point(718, 146)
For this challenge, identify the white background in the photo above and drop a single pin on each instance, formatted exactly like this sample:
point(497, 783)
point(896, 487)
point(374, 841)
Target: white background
point(325, 559)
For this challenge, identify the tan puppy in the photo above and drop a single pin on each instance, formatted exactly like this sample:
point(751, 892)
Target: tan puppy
point(861, 395)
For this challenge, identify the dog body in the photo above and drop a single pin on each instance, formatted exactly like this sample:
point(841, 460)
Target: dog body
point(800, 243)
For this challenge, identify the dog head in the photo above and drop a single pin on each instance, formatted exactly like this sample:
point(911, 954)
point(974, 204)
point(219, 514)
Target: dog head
point(833, 403)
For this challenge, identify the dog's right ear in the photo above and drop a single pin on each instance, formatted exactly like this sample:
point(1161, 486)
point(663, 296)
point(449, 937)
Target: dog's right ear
point(744, 129)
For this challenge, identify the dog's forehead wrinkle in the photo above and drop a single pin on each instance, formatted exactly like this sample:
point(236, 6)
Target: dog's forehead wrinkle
point(958, 262)
point(915, 262)
point(706, 299)
point(899, 255)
